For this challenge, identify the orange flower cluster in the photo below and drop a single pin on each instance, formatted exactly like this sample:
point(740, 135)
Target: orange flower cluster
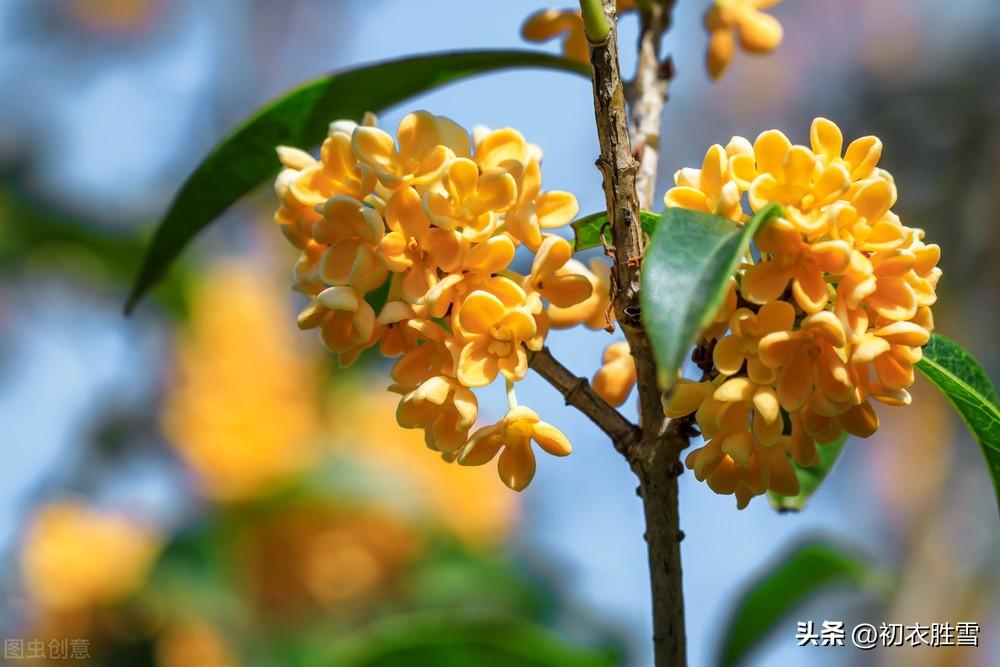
point(830, 312)
point(434, 217)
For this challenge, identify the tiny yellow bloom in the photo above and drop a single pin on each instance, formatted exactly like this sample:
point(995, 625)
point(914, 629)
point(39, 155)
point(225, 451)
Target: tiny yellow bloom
point(477, 270)
point(444, 408)
point(427, 144)
point(741, 345)
point(790, 259)
point(709, 189)
point(549, 277)
point(617, 375)
point(514, 434)
point(548, 24)
point(345, 320)
point(351, 232)
point(472, 201)
point(416, 249)
point(758, 32)
point(494, 335)
point(809, 358)
point(593, 312)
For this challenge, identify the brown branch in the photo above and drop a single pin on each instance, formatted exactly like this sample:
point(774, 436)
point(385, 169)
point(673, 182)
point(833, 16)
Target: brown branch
point(578, 393)
point(656, 458)
point(648, 94)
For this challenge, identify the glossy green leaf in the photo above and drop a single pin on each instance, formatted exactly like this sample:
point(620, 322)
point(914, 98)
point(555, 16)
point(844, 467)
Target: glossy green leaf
point(588, 228)
point(246, 158)
point(462, 637)
point(805, 571)
point(809, 477)
point(964, 382)
point(688, 262)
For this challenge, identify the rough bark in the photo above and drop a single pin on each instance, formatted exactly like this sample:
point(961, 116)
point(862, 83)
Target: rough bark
point(656, 458)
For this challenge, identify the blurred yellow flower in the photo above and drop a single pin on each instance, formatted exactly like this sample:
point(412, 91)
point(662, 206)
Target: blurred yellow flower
point(313, 555)
point(243, 411)
point(193, 642)
point(470, 503)
point(617, 375)
point(726, 19)
point(551, 23)
point(76, 557)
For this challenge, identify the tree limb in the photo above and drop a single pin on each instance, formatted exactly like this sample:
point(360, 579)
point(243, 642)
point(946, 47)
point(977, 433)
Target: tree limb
point(656, 459)
point(578, 393)
point(649, 93)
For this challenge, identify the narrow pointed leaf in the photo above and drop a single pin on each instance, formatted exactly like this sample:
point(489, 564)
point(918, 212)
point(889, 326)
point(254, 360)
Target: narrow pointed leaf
point(688, 262)
point(588, 228)
point(809, 477)
point(460, 637)
point(246, 158)
point(964, 382)
point(807, 570)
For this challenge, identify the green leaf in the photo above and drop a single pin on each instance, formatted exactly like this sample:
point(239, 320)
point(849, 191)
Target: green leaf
point(809, 477)
point(246, 158)
point(588, 228)
point(462, 637)
point(688, 262)
point(88, 252)
point(964, 382)
point(802, 573)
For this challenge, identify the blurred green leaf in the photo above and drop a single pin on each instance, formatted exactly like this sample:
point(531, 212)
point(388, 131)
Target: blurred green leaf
point(966, 385)
point(809, 477)
point(301, 117)
point(688, 263)
point(588, 228)
point(450, 575)
point(459, 638)
point(82, 249)
point(803, 572)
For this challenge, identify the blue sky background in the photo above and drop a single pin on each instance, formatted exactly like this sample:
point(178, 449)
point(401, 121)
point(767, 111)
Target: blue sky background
point(108, 127)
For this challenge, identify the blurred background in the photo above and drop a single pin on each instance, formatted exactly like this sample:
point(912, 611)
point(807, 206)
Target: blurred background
point(198, 485)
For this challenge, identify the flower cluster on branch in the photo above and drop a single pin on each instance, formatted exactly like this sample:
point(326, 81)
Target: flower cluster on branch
point(827, 315)
point(433, 218)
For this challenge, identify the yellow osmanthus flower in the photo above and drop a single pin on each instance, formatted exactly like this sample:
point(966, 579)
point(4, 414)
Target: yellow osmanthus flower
point(710, 189)
point(434, 217)
point(594, 311)
point(469, 503)
point(568, 23)
point(728, 19)
point(494, 335)
point(616, 377)
point(243, 412)
point(833, 307)
point(444, 408)
point(76, 557)
point(550, 277)
point(427, 144)
point(514, 434)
